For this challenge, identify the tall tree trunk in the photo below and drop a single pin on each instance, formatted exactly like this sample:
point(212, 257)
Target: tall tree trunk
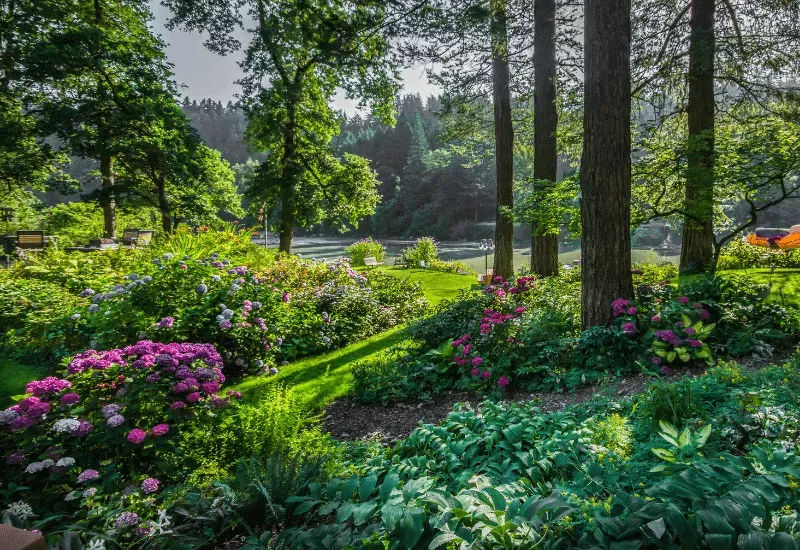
point(606, 162)
point(504, 142)
point(697, 247)
point(291, 171)
point(544, 245)
point(106, 158)
point(163, 207)
point(287, 226)
point(108, 202)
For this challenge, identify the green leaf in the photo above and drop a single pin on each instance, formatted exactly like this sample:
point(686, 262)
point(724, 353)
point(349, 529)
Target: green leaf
point(664, 454)
point(412, 525)
point(443, 539)
point(366, 487)
point(703, 435)
point(389, 484)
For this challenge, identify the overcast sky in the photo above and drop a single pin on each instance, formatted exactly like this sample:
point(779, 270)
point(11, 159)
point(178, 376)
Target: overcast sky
point(207, 75)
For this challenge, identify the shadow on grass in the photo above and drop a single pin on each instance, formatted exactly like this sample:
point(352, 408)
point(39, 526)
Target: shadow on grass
point(14, 377)
point(317, 381)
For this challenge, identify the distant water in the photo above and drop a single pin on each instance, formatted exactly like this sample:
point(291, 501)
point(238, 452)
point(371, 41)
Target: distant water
point(330, 248)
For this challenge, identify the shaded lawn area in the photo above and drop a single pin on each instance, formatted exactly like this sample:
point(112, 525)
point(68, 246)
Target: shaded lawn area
point(785, 282)
point(13, 378)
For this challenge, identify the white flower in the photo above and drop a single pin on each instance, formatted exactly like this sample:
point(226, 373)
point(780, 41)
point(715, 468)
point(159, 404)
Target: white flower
point(72, 495)
point(90, 492)
point(96, 544)
point(47, 463)
point(66, 425)
point(65, 462)
point(34, 467)
point(75, 317)
point(7, 417)
point(161, 523)
point(21, 510)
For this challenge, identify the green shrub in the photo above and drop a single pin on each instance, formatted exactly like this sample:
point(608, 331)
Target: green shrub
point(673, 403)
point(738, 254)
point(424, 250)
point(366, 248)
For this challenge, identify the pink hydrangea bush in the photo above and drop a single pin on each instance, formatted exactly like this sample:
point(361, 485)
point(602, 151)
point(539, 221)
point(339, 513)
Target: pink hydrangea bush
point(107, 433)
point(478, 359)
point(115, 407)
point(672, 329)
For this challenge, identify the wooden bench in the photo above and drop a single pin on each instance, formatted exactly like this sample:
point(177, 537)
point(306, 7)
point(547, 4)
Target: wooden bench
point(137, 237)
point(30, 240)
point(371, 261)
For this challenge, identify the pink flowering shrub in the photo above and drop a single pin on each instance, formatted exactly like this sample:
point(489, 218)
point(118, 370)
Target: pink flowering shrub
point(479, 360)
point(673, 329)
point(115, 411)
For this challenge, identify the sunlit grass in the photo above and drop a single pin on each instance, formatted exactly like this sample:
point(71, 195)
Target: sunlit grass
point(437, 286)
point(318, 381)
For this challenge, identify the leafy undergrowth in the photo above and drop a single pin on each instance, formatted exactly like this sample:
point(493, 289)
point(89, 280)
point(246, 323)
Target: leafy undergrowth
point(706, 463)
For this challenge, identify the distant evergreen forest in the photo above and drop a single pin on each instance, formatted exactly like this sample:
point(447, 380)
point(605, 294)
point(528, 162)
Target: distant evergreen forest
point(427, 187)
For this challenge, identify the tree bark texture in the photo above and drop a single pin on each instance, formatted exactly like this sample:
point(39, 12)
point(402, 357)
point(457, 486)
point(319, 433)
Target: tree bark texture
point(544, 247)
point(108, 202)
point(606, 162)
point(504, 142)
point(697, 246)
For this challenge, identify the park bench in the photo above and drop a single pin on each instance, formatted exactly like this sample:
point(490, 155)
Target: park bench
point(423, 264)
point(30, 240)
point(137, 237)
point(371, 261)
point(400, 261)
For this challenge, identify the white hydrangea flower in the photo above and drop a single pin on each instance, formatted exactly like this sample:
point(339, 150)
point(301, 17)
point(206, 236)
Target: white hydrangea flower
point(47, 463)
point(34, 467)
point(7, 417)
point(91, 491)
point(66, 425)
point(96, 544)
point(65, 462)
point(21, 509)
point(72, 495)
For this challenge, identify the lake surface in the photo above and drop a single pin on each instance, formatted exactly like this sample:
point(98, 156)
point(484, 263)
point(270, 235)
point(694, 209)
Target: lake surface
point(330, 248)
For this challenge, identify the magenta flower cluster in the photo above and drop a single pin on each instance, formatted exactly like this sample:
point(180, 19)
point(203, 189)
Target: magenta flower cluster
point(50, 384)
point(501, 288)
point(492, 318)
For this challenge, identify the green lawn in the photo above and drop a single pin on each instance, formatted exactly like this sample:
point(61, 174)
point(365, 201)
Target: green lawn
point(438, 286)
point(320, 380)
point(785, 282)
point(13, 378)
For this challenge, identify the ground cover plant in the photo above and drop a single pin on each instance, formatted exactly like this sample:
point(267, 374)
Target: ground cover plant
point(602, 475)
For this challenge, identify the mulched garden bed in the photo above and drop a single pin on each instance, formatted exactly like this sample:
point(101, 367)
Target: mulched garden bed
point(348, 419)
